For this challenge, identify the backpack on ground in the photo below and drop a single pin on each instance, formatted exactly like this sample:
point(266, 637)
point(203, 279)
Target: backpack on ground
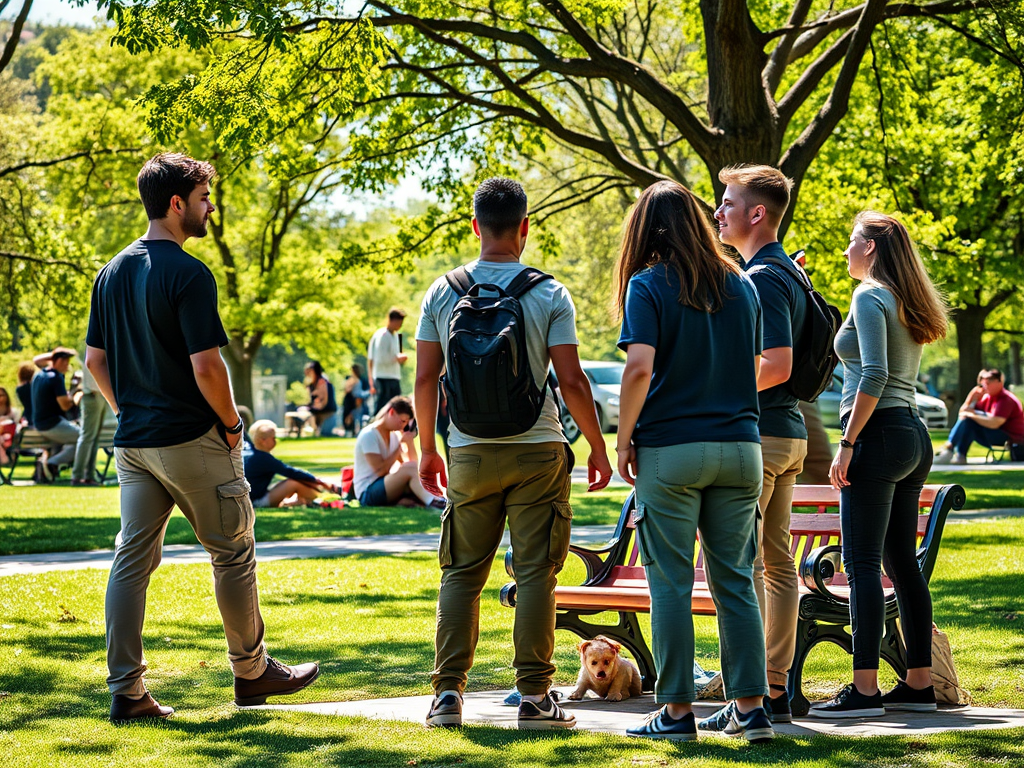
point(814, 354)
point(488, 382)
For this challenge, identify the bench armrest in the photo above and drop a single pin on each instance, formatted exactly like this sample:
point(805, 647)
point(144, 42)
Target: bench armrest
point(817, 570)
point(594, 559)
point(950, 497)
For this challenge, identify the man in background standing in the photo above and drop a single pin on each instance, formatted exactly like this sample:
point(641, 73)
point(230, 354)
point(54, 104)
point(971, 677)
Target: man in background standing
point(94, 412)
point(385, 359)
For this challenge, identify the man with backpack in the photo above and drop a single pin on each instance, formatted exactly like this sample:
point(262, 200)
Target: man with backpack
point(493, 326)
point(754, 202)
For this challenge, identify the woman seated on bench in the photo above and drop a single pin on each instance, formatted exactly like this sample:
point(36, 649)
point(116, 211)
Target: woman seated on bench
point(299, 487)
point(381, 478)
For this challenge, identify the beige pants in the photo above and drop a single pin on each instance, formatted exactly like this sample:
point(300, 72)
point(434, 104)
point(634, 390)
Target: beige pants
point(528, 483)
point(204, 479)
point(775, 580)
point(819, 449)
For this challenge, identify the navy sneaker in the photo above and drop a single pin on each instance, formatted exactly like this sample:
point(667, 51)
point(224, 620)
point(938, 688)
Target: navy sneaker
point(754, 726)
point(544, 715)
point(908, 699)
point(850, 702)
point(661, 725)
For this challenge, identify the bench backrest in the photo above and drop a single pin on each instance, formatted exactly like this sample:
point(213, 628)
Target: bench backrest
point(814, 523)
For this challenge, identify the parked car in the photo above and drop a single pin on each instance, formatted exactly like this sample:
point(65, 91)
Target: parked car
point(605, 383)
point(933, 412)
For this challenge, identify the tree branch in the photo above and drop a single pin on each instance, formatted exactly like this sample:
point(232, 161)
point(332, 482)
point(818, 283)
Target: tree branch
point(66, 158)
point(12, 256)
point(15, 38)
point(776, 66)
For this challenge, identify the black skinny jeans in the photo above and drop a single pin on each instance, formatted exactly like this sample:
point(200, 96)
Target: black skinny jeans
point(878, 513)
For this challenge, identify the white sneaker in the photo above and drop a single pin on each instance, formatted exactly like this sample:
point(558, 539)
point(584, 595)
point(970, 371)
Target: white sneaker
point(945, 456)
point(958, 458)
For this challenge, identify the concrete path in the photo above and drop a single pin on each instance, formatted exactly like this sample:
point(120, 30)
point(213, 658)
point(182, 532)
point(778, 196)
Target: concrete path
point(486, 708)
point(182, 554)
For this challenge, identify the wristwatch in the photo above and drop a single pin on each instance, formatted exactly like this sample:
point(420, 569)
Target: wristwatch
point(844, 443)
point(235, 429)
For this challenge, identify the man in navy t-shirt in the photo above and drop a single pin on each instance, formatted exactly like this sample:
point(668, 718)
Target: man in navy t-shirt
point(50, 402)
point(154, 349)
point(753, 204)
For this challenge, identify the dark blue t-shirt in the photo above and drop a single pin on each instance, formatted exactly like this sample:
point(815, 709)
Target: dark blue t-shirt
point(784, 309)
point(704, 387)
point(24, 393)
point(47, 386)
point(260, 468)
point(153, 306)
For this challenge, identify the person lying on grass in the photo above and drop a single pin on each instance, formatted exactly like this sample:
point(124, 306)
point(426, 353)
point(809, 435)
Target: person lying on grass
point(300, 487)
point(382, 476)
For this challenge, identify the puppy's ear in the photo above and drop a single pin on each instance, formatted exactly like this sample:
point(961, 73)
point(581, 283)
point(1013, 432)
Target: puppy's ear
point(613, 645)
point(584, 645)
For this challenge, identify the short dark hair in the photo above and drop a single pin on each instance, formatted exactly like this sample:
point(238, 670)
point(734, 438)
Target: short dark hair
point(499, 205)
point(763, 185)
point(396, 314)
point(992, 373)
point(169, 174)
point(401, 405)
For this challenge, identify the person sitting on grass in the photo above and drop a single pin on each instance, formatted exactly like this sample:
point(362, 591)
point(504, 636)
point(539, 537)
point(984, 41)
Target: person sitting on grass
point(299, 487)
point(378, 481)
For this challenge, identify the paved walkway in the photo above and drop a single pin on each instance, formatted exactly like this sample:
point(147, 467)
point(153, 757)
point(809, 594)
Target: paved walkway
point(183, 554)
point(338, 546)
point(486, 708)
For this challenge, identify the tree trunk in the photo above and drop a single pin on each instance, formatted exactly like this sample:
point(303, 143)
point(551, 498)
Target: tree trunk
point(239, 357)
point(1015, 372)
point(970, 324)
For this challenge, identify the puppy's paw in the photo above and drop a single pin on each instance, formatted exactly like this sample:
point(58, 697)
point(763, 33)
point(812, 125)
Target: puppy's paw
point(614, 696)
point(577, 695)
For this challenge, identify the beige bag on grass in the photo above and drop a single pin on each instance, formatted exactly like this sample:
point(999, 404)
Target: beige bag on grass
point(947, 686)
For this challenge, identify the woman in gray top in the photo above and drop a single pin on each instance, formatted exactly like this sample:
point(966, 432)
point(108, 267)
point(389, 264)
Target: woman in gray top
point(883, 460)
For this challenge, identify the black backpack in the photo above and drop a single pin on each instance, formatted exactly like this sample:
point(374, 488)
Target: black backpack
point(814, 354)
point(488, 382)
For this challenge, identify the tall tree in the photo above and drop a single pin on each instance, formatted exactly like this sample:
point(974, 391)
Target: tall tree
point(648, 90)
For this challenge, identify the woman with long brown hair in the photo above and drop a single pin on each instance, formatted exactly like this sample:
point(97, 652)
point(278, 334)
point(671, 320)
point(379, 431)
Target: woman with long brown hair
point(884, 459)
point(688, 440)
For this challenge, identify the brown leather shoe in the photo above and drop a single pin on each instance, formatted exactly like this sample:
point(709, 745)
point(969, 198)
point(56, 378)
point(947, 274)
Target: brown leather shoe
point(124, 709)
point(277, 680)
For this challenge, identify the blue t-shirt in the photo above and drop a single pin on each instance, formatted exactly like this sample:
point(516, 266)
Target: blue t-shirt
point(784, 309)
point(47, 386)
point(153, 306)
point(704, 387)
point(260, 468)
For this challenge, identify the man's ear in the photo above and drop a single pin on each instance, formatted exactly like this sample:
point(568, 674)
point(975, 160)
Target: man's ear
point(758, 215)
point(476, 227)
point(524, 228)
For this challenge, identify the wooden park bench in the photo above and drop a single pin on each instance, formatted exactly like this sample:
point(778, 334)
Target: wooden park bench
point(30, 442)
point(616, 582)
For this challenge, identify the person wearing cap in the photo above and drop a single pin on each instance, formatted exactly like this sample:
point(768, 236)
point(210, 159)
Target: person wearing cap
point(50, 402)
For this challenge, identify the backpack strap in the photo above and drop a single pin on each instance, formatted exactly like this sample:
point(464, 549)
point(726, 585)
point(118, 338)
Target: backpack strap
point(460, 280)
point(791, 267)
point(525, 281)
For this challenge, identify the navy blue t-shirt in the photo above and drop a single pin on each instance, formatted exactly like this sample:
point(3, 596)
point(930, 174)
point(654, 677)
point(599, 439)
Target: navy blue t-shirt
point(24, 393)
point(153, 306)
point(704, 387)
point(784, 309)
point(47, 386)
point(260, 468)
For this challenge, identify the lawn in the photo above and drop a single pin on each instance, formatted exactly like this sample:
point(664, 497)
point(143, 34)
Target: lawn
point(370, 620)
point(59, 518)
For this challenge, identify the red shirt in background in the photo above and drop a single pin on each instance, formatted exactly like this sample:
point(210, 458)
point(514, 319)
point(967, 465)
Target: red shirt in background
point(1006, 405)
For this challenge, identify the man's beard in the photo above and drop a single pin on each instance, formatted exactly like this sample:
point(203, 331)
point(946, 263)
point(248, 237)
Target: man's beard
point(194, 224)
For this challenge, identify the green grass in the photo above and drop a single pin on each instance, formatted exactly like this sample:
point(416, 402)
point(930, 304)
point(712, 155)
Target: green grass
point(370, 621)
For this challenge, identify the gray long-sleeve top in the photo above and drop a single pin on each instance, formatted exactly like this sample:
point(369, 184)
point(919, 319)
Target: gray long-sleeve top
point(879, 355)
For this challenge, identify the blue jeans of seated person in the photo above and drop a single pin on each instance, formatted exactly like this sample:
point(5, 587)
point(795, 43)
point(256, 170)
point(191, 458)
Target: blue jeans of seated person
point(878, 517)
point(967, 431)
point(713, 488)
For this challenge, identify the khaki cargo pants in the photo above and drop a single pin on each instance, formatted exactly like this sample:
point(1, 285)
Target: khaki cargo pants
point(528, 483)
point(204, 479)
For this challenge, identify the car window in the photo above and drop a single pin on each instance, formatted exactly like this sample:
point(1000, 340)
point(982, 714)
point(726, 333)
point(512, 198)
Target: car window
point(611, 374)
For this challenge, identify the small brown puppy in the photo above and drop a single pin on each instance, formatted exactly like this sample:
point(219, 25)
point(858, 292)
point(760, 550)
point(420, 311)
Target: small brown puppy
point(605, 672)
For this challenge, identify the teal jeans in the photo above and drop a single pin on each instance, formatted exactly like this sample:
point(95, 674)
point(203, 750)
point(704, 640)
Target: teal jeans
point(712, 488)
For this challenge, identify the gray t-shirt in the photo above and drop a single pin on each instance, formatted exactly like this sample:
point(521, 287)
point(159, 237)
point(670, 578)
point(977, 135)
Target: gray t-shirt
point(879, 355)
point(550, 321)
